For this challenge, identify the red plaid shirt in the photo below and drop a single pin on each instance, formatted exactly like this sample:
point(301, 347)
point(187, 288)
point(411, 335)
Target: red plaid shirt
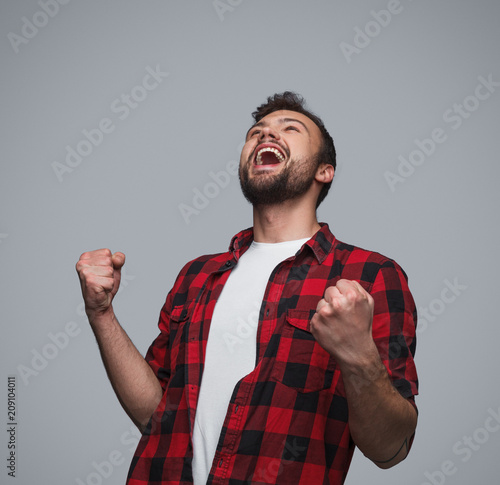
point(287, 421)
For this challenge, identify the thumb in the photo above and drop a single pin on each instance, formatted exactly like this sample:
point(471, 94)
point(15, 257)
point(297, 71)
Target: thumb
point(118, 260)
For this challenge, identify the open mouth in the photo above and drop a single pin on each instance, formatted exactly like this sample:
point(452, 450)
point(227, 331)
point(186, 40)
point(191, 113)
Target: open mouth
point(269, 155)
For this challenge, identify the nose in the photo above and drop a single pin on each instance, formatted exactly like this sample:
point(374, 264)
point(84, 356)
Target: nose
point(269, 132)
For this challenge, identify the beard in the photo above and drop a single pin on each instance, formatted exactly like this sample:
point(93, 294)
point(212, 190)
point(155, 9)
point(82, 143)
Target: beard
point(291, 182)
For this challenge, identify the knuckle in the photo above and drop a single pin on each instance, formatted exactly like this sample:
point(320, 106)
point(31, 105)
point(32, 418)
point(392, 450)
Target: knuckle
point(88, 275)
point(337, 304)
point(325, 311)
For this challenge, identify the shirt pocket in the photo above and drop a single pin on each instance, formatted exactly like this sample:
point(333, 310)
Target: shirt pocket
point(301, 363)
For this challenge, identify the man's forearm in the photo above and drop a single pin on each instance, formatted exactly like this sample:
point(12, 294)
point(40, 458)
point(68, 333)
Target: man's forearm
point(133, 380)
point(381, 421)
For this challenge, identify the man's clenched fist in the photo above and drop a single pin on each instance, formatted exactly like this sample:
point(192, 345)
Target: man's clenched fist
point(100, 274)
point(342, 324)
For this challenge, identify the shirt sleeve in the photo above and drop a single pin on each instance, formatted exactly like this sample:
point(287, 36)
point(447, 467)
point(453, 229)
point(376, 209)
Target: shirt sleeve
point(158, 354)
point(394, 327)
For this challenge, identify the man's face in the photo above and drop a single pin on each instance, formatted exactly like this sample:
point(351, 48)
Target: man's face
point(279, 159)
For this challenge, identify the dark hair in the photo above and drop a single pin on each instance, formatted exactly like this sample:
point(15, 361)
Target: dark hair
point(291, 101)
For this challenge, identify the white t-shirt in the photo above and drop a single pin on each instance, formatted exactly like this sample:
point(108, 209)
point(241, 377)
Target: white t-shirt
point(232, 345)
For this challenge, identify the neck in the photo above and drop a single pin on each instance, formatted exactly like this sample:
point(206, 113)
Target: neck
point(287, 221)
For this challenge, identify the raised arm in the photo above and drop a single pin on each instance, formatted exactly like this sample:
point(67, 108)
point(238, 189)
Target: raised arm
point(133, 380)
point(382, 422)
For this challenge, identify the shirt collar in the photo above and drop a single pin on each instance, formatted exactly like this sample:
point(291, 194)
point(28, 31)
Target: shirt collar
point(321, 243)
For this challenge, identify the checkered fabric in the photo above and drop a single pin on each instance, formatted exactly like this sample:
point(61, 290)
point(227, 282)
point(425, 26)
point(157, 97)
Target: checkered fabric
point(287, 421)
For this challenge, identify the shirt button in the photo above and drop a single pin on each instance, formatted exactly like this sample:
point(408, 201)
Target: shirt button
point(228, 263)
point(236, 409)
point(220, 462)
point(267, 312)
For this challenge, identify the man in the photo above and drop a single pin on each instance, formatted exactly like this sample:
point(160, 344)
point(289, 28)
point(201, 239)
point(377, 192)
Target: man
point(277, 357)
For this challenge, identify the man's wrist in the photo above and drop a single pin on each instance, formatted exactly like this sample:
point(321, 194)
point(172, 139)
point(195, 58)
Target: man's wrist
point(99, 319)
point(363, 356)
point(363, 369)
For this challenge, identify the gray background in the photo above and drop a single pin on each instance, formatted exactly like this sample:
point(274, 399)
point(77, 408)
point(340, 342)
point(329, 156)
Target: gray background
point(439, 222)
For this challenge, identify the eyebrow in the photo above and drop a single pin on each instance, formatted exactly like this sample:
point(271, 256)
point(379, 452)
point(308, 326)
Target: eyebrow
point(280, 120)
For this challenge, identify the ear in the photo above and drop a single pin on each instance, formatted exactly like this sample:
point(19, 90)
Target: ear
point(325, 173)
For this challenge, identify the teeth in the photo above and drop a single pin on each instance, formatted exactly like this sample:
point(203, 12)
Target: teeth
point(278, 154)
